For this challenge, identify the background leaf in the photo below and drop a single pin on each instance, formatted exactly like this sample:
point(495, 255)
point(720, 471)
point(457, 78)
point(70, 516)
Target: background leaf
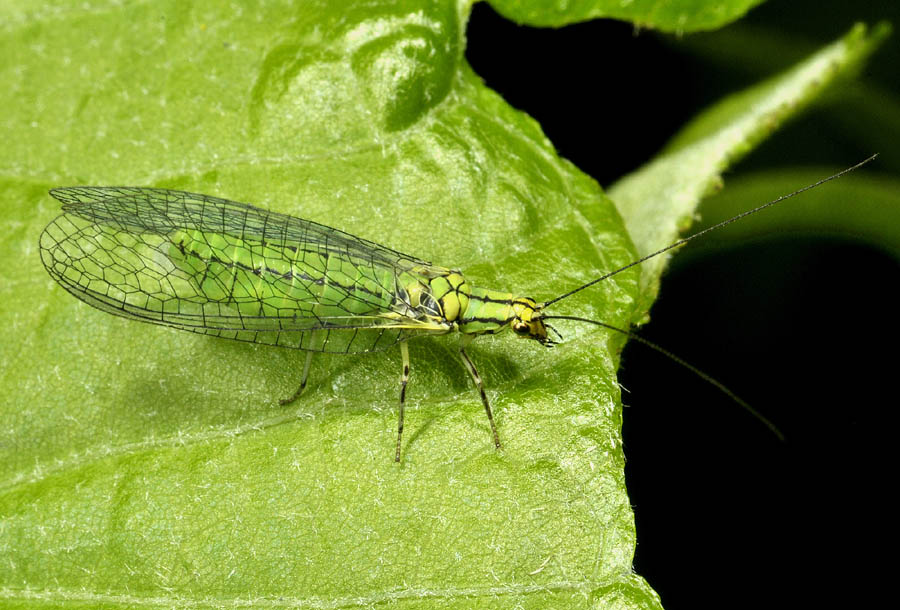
point(657, 201)
point(664, 15)
point(146, 466)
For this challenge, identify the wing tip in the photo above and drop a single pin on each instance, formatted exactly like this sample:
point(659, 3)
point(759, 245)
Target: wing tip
point(67, 194)
point(75, 195)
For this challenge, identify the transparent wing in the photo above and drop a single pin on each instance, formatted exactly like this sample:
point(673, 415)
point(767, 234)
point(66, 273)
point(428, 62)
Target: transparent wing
point(163, 210)
point(228, 269)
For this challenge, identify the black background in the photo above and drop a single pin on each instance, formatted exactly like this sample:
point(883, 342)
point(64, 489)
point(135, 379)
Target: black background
point(804, 329)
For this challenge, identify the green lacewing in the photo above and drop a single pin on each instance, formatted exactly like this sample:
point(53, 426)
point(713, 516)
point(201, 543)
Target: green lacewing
point(227, 269)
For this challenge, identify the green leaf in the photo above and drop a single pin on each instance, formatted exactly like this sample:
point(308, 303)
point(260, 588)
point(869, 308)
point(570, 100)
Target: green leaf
point(143, 466)
point(666, 15)
point(659, 200)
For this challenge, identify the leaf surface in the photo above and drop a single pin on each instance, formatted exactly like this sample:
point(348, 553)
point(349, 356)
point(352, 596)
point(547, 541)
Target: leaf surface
point(143, 466)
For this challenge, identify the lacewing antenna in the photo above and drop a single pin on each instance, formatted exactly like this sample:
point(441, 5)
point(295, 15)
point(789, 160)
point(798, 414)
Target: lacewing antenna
point(681, 242)
point(705, 376)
